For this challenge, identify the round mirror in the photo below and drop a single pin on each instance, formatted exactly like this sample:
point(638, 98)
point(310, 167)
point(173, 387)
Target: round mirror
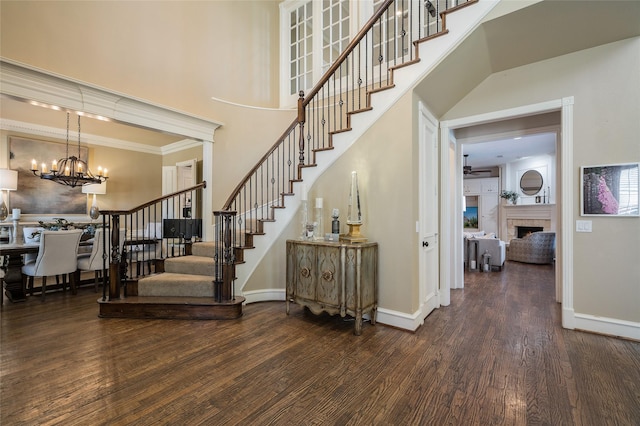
point(531, 182)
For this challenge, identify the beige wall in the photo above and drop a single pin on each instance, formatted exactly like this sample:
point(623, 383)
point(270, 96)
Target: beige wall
point(161, 51)
point(135, 177)
point(387, 176)
point(606, 89)
point(383, 158)
point(184, 155)
point(247, 135)
point(175, 53)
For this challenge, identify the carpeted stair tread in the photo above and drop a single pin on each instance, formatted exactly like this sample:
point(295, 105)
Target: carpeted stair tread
point(176, 285)
point(192, 265)
point(204, 249)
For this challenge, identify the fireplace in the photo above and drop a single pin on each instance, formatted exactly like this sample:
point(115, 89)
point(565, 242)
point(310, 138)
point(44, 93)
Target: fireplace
point(523, 231)
point(541, 216)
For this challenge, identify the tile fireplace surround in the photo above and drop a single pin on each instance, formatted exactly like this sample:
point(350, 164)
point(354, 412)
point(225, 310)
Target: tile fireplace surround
point(543, 215)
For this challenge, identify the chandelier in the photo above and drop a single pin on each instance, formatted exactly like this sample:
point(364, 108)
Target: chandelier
point(70, 171)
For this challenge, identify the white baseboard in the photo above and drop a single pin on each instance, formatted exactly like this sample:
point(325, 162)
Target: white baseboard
point(568, 318)
point(266, 295)
point(609, 326)
point(399, 319)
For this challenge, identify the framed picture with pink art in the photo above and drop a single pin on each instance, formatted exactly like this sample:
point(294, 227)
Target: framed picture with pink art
point(610, 190)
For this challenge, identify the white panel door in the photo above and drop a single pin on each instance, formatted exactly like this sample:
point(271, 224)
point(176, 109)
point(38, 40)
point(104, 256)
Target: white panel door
point(429, 261)
point(169, 179)
point(186, 178)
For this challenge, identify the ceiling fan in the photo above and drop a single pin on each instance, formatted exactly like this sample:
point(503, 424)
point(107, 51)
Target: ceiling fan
point(468, 171)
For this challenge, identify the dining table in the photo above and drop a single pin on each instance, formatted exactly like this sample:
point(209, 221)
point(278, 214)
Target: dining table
point(14, 288)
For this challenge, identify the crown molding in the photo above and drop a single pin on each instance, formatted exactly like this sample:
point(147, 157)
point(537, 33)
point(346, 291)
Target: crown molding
point(87, 139)
point(31, 84)
point(180, 146)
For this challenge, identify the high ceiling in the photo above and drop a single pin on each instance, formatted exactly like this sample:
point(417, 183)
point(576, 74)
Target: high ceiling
point(543, 30)
point(502, 42)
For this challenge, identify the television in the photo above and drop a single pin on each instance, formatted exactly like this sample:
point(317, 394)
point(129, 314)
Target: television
point(182, 228)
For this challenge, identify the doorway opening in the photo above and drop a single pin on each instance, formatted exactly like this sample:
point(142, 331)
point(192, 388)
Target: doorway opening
point(451, 187)
point(507, 150)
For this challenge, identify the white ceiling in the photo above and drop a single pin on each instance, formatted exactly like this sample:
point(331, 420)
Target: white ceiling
point(509, 39)
point(503, 151)
point(540, 31)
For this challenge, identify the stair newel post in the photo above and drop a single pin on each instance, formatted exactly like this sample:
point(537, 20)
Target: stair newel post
point(301, 121)
point(114, 264)
point(228, 271)
point(105, 260)
point(224, 256)
point(217, 278)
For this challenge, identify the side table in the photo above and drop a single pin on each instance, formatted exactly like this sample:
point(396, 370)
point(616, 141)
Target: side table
point(333, 277)
point(473, 259)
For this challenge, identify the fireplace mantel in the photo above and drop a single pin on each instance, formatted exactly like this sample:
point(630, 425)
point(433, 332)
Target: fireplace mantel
point(527, 215)
point(530, 211)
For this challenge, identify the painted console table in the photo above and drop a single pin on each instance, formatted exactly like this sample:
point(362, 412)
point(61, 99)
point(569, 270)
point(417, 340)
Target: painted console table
point(332, 277)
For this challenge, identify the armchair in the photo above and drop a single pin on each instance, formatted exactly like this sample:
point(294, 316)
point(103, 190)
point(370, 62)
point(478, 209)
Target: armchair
point(537, 247)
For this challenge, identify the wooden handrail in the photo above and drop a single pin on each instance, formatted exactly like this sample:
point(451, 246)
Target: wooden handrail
point(124, 253)
point(305, 100)
point(202, 185)
point(347, 51)
point(325, 110)
point(234, 193)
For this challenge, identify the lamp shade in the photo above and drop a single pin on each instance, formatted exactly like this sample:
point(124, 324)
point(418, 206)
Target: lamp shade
point(95, 188)
point(8, 180)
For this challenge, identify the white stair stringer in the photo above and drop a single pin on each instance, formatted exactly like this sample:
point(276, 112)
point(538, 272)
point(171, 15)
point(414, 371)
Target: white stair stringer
point(460, 24)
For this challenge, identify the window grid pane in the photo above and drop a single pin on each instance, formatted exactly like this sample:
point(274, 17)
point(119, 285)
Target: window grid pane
point(301, 46)
point(335, 30)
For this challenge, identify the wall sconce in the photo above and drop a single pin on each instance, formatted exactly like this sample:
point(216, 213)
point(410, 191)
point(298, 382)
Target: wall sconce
point(94, 188)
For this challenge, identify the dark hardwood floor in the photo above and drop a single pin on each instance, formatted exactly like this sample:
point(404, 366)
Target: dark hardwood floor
point(496, 356)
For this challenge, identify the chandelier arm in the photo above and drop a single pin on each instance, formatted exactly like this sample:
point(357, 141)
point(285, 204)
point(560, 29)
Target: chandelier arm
point(70, 171)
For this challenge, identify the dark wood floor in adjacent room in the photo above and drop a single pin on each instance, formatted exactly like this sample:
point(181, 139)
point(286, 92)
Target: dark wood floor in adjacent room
point(496, 356)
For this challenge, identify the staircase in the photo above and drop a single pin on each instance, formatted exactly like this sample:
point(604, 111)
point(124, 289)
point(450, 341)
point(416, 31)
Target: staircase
point(329, 121)
point(185, 290)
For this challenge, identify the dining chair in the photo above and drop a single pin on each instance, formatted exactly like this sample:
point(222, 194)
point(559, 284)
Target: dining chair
point(31, 236)
point(57, 255)
point(94, 261)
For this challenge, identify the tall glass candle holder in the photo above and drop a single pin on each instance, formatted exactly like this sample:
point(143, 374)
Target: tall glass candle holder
point(354, 213)
point(318, 232)
point(304, 215)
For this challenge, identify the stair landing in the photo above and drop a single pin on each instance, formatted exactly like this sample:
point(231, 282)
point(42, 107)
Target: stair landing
point(190, 308)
